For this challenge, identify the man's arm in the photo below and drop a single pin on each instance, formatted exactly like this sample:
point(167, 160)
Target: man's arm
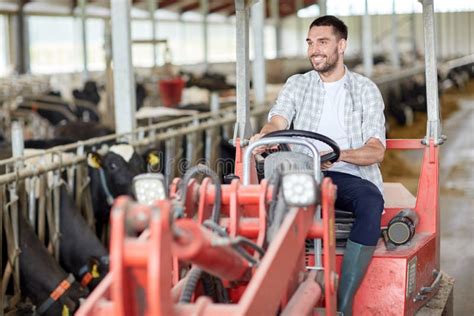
point(277, 123)
point(372, 152)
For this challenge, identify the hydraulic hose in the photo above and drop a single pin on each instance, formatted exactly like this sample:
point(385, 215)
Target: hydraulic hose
point(205, 170)
point(195, 273)
point(192, 279)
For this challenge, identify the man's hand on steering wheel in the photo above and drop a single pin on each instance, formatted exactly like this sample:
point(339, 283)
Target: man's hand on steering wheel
point(325, 165)
point(330, 156)
point(264, 148)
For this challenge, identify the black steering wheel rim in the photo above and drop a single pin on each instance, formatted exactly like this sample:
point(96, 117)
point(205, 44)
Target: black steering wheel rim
point(331, 157)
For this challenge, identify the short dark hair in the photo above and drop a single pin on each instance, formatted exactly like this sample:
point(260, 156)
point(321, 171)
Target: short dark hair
point(330, 20)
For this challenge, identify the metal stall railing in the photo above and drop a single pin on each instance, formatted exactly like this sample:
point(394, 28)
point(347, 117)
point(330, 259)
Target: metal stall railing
point(33, 189)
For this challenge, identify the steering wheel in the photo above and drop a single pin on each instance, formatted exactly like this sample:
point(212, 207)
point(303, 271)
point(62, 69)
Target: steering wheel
point(331, 157)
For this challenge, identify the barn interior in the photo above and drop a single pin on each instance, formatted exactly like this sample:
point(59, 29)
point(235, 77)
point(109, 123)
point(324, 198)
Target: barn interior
point(92, 91)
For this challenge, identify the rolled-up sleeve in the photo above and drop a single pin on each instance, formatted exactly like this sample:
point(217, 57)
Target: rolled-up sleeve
point(373, 124)
point(285, 103)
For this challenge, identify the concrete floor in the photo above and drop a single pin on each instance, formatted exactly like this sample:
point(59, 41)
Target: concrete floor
point(457, 205)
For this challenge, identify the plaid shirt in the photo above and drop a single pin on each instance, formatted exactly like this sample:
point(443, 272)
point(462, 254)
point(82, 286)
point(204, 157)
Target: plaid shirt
point(301, 101)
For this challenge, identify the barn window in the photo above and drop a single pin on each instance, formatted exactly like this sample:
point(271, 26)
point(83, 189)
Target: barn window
point(3, 46)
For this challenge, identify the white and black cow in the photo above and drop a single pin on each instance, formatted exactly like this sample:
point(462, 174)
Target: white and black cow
point(49, 287)
point(81, 252)
point(111, 175)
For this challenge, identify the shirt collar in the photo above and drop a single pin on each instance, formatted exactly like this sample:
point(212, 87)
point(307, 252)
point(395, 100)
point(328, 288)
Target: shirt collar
point(347, 77)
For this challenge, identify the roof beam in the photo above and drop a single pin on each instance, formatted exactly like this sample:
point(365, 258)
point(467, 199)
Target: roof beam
point(221, 7)
point(189, 7)
point(166, 3)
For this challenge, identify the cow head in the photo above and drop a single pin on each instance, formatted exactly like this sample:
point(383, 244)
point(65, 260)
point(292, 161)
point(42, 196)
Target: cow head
point(117, 167)
point(112, 175)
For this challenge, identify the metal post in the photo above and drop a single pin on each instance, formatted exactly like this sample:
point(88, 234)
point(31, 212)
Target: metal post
point(275, 14)
point(259, 71)
point(82, 4)
point(109, 76)
point(242, 129)
point(17, 142)
point(2, 308)
point(17, 151)
point(395, 56)
point(433, 129)
point(205, 30)
point(124, 81)
point(413, 34)
point(212, 136)
point(322, 7)
point(152, 10)
point(469, 48)
point(367, 42)
point(299, 29)
point(454, 46)
point(22, 48)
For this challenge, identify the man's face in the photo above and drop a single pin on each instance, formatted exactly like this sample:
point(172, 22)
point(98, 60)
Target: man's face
point(324, 48)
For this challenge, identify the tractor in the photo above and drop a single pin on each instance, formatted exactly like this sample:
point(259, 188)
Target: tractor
point(272, 247)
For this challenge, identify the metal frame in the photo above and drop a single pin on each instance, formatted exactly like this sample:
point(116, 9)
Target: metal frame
point(124, 78)
point(433, 129)
point(242, 129)
point(281, 140)
point(258, 65)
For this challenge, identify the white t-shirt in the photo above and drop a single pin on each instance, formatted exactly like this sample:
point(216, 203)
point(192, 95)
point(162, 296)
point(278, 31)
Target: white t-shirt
point(332, 124)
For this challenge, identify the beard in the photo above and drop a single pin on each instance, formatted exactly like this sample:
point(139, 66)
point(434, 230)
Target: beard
point(327, 64)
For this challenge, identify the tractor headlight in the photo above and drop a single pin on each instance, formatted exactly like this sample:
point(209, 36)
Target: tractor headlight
point(299, 189)
point(149, 187)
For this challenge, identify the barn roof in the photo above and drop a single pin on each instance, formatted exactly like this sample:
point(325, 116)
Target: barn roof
point(224, 7)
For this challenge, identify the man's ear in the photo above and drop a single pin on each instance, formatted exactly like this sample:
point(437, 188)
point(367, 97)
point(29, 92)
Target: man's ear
point(341, 46)
point(94, 160)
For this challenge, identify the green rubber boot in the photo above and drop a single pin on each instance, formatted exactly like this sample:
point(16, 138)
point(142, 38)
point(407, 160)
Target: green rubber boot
point(354, 266)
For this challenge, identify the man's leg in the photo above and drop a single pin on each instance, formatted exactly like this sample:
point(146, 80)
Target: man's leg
point(362, 198)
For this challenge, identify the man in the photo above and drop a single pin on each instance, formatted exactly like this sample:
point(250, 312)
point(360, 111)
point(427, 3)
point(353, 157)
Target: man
point(347, 107)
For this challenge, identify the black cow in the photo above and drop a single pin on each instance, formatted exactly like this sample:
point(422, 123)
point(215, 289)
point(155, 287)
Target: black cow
point(209, 81)
point(81, 252)
point(57, 110)
point(68, 133)
point(54, 113)
point(111, 175)
point(90, 93)
point(76, 131)
point(41, 275)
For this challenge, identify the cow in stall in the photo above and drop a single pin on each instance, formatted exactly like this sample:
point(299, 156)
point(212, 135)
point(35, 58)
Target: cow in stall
point(59, 111)
point(48, 286)
point(81, 252)
point(90, 93)
point(70, 132)
point(54, 113)
point(111, 175)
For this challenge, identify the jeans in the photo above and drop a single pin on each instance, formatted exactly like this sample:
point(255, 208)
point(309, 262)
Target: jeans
point(364, 200)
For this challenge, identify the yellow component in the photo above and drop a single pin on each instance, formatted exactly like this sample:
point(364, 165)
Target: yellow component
point(93, 160)
point(153, 159)
point(65, 311)
point(95, 271)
